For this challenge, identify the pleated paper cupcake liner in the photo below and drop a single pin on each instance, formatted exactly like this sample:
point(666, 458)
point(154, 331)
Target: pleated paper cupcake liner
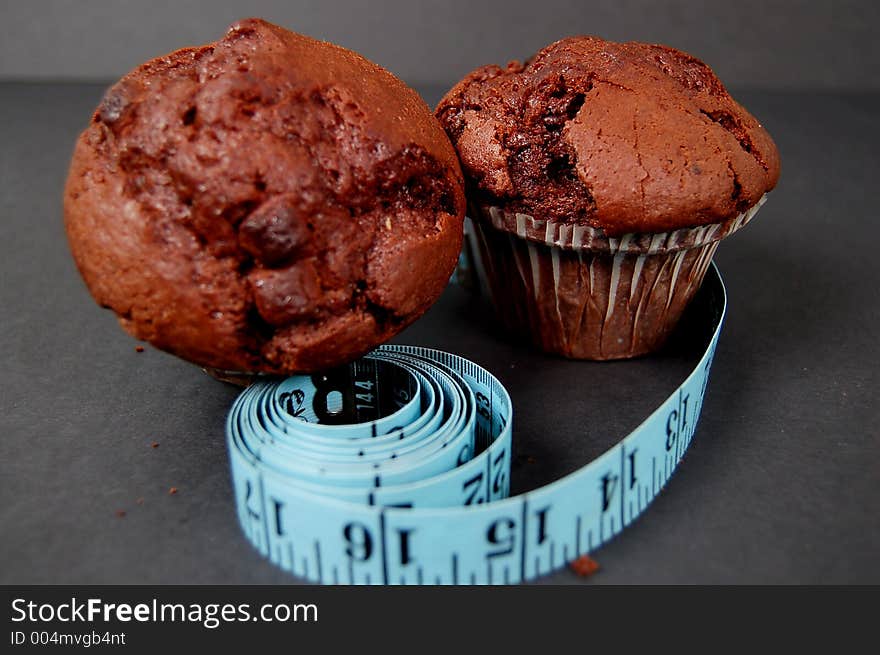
point(574, 291)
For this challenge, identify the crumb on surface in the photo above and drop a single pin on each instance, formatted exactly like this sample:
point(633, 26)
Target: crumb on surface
point(584, 566)
point(120, 513)
point(172, 491)
point(155, 444)
point(139, 349)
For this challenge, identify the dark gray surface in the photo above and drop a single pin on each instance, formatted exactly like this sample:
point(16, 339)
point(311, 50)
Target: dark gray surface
point(781, 484)
point(802, 44)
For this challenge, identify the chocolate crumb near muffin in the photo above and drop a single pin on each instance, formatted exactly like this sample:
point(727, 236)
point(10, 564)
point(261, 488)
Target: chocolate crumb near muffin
point(584, 566)
point(264, 203)
point(600, 178)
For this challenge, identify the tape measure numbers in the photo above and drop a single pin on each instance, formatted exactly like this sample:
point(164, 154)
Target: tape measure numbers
point(396, 470)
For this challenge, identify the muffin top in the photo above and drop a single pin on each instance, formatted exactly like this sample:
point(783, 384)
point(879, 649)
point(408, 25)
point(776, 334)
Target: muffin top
point(624, 137)
point(267, 202)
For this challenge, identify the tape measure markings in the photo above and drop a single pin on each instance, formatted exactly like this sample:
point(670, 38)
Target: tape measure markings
point(423, 515)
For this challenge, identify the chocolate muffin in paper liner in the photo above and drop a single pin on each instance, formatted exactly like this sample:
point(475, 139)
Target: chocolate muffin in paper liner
point(266, 203)
point(601, 177)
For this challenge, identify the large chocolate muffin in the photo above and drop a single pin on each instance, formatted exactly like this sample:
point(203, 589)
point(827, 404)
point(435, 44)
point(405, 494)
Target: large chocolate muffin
point(264, 203)
point(601, 176)
point(626, 137)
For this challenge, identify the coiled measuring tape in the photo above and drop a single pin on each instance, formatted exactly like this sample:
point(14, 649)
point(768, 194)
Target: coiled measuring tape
point(396, 470)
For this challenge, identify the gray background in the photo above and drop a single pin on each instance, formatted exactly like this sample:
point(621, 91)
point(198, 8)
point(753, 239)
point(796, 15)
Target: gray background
point(756, 43)
point(781, 482)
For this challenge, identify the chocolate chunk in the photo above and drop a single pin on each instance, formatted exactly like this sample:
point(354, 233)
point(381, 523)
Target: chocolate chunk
point(274, 231)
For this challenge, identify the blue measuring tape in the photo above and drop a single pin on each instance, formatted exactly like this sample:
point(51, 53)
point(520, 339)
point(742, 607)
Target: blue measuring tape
point(396, 470)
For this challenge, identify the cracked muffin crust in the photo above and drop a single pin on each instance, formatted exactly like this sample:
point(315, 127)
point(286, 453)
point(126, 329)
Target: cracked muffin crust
point(264, 203)
point(623, 137)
